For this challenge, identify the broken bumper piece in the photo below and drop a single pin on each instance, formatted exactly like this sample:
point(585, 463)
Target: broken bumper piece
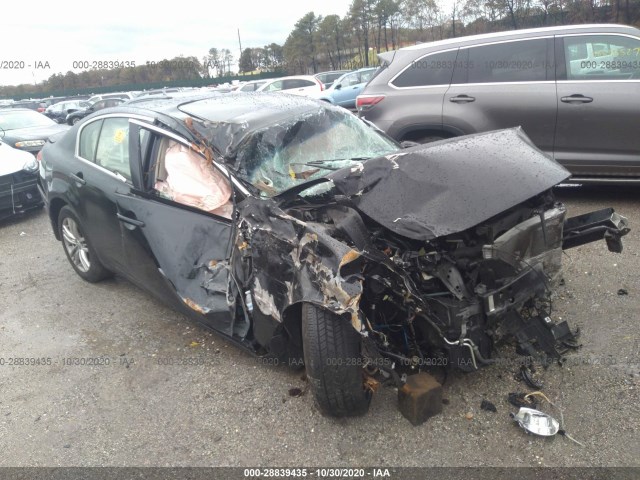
point(591, 227)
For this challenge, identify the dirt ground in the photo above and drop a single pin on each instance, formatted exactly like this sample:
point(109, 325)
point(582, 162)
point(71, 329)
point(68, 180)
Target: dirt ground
point(163, 391)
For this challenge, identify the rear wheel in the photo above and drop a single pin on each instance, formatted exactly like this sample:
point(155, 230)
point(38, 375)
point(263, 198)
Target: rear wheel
point(332, 359)
point(77, 248)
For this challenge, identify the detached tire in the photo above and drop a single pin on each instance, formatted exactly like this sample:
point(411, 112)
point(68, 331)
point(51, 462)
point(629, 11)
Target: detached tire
point(331, 356)
point(79, 251)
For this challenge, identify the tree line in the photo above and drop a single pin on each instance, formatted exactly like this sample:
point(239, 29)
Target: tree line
point(332, 42)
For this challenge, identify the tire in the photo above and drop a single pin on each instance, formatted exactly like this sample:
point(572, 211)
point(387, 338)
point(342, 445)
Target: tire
point(79, 251)
point(430, 139)
point(331, 353)
point(75, 120)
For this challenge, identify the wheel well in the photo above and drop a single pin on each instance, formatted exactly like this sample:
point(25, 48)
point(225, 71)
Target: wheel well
point(292, 320)
point(54, 212)
point(416, 135)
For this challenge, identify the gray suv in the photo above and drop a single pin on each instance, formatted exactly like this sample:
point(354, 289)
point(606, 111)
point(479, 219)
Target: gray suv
point(575, 90)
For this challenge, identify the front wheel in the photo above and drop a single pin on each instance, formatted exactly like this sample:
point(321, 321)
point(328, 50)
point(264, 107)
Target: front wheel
point(75, 120)
point(333, 362)
point(77, 248)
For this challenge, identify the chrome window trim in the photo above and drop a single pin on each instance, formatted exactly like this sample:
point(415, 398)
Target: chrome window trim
point(533, 82)
point(628, 80)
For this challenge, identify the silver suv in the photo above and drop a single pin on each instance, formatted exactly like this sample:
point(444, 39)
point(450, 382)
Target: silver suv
point(575, 90)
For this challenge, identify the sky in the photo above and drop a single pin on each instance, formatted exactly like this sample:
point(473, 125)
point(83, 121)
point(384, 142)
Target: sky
point(34, 33)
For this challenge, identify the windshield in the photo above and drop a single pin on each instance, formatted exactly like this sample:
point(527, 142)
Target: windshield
point(307, 147)
point(12, 120)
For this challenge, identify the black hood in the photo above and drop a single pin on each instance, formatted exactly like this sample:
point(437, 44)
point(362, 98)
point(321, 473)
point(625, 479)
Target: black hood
point(449, 186)
point(32, 133)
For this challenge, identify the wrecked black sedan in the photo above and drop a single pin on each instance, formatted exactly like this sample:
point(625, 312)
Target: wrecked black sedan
point(299, 231)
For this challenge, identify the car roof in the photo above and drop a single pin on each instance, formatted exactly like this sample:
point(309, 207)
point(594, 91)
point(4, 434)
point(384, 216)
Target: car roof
point(610, 27)
point(304, 77)
point(225, 119)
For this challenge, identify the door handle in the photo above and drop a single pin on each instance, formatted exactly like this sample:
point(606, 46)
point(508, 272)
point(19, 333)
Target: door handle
point(130, 221)
point(78, 178)
point(462, 99)
point(576, 98)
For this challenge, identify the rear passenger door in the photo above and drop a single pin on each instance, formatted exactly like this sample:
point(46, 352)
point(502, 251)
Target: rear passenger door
point(598, 104)
point(502, 85)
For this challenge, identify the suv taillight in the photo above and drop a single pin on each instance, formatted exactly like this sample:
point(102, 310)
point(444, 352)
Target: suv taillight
point(365, 102)
point(39, 156)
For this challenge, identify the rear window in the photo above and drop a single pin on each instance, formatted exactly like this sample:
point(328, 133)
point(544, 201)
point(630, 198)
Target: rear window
point(431, 70)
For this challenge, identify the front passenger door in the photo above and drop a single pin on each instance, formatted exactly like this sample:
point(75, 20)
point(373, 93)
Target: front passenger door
point(179, 253)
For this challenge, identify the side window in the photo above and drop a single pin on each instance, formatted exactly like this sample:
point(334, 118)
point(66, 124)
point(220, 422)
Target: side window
point(184, 176)
point(602, 57)
point(350, 80)
point(99, 105)
point(431, 70)
point(521, 61)
point(113, 146)
point(297, 83)
point(89, 140)
point(274, 86)
point(366, 76)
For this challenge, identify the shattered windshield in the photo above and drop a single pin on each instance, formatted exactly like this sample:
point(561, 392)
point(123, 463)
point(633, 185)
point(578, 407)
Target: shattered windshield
point(281, 156)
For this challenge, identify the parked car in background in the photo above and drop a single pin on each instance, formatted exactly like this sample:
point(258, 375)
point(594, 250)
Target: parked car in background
point(58, 111)
point(345, 89)
point(18, 182)
point(327, 78)
point(35, 105)
point(575, 90)
point(296, 85)
point(298, 231)
point(251, 86)
point(108, 96)
point(76, 116)
point(157, 91)
point(26, 130)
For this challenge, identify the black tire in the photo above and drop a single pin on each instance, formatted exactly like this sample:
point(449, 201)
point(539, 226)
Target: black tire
point(79, 251)
point(429, 139)
point(331, 353)
point(74, 120)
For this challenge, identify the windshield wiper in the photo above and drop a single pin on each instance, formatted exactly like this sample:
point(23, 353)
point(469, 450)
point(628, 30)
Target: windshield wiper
point(321, 163)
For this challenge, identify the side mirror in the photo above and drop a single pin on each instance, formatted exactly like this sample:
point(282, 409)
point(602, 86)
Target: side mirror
point(338, 86)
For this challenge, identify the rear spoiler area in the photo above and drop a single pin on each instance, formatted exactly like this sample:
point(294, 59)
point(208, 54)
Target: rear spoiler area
point(602, 224)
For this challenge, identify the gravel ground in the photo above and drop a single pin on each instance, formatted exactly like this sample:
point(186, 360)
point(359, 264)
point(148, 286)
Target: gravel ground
point(235, 411)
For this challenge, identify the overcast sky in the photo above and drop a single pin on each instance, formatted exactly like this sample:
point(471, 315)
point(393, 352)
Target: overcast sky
point(61, 32)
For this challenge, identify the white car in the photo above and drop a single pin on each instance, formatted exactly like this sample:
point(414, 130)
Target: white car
point(251, 86)
point(303, 85)
point(18, 181)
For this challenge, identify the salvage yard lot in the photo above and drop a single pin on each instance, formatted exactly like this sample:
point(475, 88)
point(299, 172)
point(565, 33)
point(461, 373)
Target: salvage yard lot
point(174, 394)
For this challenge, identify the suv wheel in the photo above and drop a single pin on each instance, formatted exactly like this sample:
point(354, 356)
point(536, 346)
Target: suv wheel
point(429, 138)
point(331, 353)
point(77, 248)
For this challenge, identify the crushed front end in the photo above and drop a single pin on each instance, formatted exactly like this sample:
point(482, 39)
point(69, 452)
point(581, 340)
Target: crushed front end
point(450, 300)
